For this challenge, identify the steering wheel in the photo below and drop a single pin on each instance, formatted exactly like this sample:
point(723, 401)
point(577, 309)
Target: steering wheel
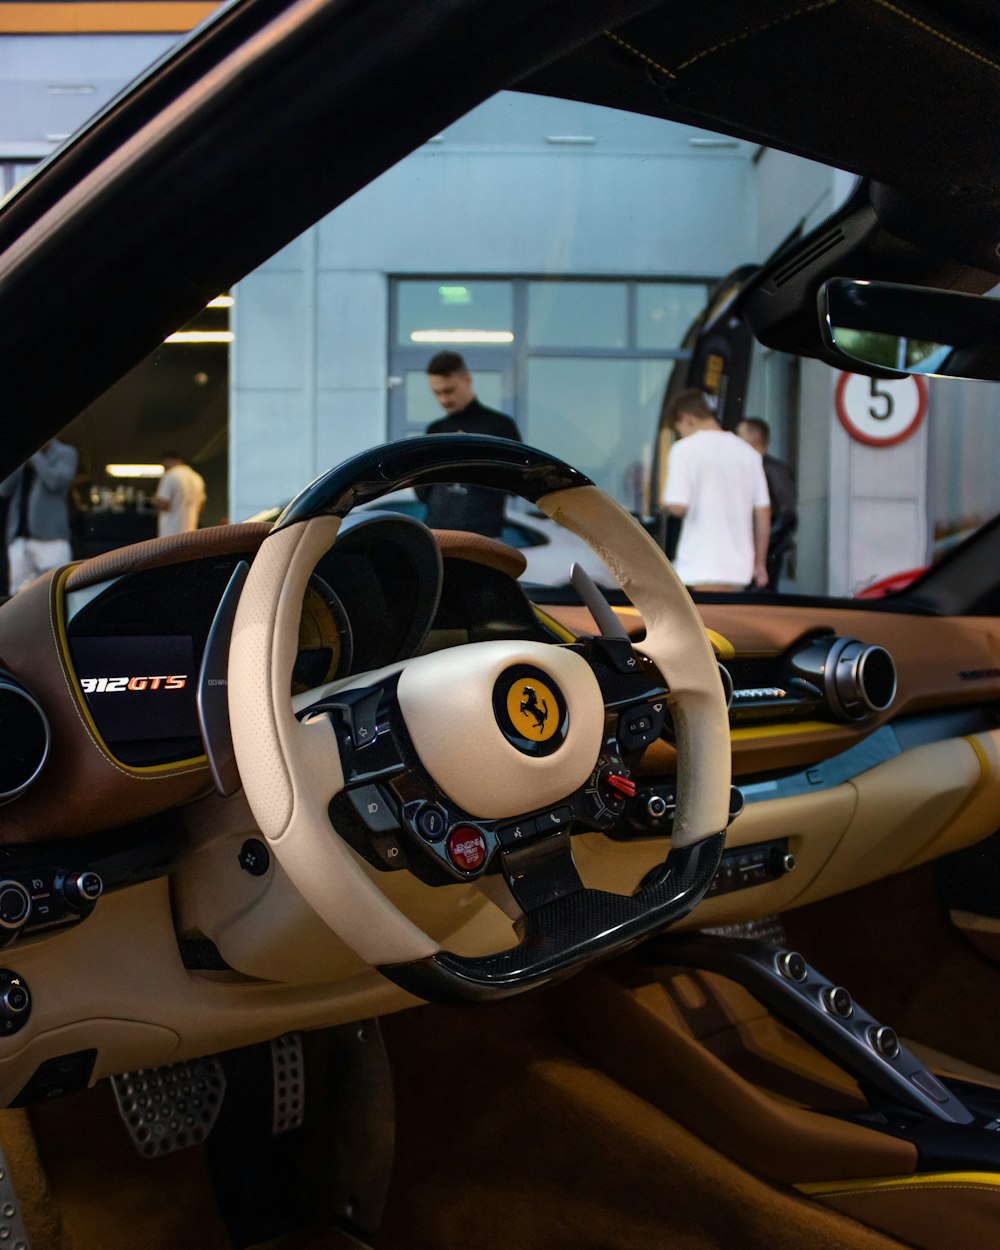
point(481, 757)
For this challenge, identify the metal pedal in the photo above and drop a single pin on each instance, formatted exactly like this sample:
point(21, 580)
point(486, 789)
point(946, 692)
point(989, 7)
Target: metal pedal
point(168, 1109)
point(289, 1083)
point(12, 1231)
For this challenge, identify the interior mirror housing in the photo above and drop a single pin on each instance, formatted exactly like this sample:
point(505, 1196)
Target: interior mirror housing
point(894, 328)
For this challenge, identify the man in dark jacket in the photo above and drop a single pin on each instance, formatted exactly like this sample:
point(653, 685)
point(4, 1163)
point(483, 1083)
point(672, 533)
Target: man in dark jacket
point(456, 506)
point(38, 513)
point(784, 497)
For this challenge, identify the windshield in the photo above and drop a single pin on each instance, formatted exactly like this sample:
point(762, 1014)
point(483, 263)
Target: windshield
point(563, 254)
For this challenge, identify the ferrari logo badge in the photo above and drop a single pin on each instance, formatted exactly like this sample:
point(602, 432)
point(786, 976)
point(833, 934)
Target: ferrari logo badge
point(531, 706)
point(530, 710)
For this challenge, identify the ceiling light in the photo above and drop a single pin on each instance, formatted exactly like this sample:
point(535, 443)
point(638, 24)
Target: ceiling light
point(461, 336)
point(582, 141)
point(220, 301)
point(201, 336)
point(134, 470)
point(713, 143)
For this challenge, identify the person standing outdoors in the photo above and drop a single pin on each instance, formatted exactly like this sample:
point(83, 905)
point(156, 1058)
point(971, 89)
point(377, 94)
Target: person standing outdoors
point(179, 497)
point(38, 513)
point(784, 497)
point(716, 483)
point(456, 506)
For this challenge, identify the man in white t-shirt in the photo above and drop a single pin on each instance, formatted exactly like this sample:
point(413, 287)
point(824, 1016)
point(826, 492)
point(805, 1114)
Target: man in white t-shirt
point(716, 482)
point(179, 497)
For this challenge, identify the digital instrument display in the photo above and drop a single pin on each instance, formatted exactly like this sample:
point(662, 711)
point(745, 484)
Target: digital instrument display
point(140, 689)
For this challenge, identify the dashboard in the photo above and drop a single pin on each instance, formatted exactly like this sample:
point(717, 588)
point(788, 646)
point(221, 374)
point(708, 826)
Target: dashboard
point(862, 741)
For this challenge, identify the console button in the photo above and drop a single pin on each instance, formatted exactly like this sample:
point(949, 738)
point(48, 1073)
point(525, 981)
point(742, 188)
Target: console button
point(792, 965)
point(374, 808)
point(467, 848)
point(431, 822)
point(838, 1002)
point(928, 1085)
point(884, 1041)
point(555, 819)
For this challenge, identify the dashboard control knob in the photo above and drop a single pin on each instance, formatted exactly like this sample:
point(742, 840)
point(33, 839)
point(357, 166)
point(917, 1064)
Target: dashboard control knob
point(15, 905)
point(82, 889)
point(792, 966)
point(737, 802)
point(615, 786)
point(657, 807)
point(782, 862)
point(838, 1002)
point(14, 1000)
point(884, 1041)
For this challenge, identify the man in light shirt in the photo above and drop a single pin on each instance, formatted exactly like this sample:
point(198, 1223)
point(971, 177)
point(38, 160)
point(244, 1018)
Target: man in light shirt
point(716, 483)
point(179, 497)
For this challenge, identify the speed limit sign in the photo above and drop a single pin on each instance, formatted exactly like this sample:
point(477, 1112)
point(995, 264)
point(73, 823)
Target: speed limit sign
point(880, 411)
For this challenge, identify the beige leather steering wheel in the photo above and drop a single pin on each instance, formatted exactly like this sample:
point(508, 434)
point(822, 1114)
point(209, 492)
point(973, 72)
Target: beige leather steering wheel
point(462, 749)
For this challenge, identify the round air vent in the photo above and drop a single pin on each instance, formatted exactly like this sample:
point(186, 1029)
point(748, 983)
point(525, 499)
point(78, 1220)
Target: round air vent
point(845, 676)
point(860, 679)
point(24, 739)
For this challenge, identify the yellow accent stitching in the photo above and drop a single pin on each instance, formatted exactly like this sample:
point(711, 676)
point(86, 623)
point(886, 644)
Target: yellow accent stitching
point(641, 55)
point(988, 1182)
point(938, 34)
point(785, 17)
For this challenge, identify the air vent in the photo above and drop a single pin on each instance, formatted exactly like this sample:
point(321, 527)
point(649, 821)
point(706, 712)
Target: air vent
point(803, 259)
point(24, 739)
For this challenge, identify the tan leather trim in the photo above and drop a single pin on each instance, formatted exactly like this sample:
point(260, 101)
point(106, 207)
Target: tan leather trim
point(174, 549)
point(930, 1215)
point(637, 1028)
point(930, 653)
point(117, 982)
point(676, 643)
point(461, 545)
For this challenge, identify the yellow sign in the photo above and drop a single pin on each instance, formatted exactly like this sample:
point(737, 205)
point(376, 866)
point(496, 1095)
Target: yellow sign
point(532, 708)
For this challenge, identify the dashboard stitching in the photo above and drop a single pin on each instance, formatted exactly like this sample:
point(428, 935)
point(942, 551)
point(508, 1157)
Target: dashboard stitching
point(55, 588)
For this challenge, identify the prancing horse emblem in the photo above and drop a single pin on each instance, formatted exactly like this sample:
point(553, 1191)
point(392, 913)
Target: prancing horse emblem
point(531, 707)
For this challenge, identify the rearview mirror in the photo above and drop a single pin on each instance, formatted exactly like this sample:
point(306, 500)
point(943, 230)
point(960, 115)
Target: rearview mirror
point(911, 329)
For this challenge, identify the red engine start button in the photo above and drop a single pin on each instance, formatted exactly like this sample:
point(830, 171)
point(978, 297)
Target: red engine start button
point(466, 848)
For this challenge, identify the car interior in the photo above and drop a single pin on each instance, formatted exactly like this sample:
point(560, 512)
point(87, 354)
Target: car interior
point(357, 891)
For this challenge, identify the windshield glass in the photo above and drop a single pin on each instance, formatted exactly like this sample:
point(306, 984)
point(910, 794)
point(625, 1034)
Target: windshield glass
point(564, 254)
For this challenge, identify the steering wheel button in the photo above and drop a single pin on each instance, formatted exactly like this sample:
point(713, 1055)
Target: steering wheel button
point(515, 834)
point(555, 819)
point(374, 808)
point(431, 823)
point(467, 848)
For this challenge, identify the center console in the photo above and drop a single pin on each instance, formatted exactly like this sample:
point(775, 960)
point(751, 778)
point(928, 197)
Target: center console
point(761, 1056)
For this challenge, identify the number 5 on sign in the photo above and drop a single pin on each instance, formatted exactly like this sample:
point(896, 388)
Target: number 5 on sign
point(880, 411)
